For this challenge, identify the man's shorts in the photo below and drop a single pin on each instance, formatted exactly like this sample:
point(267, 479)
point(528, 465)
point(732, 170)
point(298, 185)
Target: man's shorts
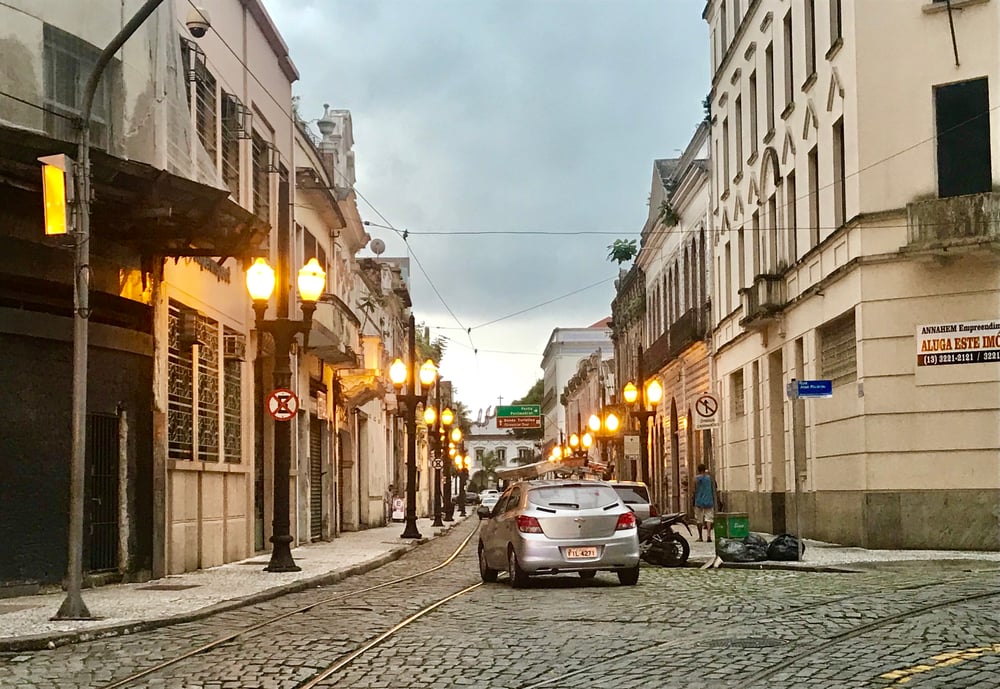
point(703, 514)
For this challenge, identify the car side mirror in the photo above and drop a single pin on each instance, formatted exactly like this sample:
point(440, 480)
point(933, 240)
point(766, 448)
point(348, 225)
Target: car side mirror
point(483, 512)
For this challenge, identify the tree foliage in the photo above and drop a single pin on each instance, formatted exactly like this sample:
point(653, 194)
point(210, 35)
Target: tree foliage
point(428, 348)
point(622, 250)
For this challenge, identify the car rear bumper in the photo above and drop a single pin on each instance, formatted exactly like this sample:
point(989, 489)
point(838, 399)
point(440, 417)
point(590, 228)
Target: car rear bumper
point(545, 556)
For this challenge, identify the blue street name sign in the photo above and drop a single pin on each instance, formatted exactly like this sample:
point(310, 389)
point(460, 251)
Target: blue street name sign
point(810, 388)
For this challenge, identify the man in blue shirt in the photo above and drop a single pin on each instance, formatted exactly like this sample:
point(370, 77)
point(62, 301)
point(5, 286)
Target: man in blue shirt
point(704, 500)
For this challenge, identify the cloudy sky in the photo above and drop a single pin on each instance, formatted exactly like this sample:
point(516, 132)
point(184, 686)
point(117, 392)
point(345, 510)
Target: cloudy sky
point(474, 118)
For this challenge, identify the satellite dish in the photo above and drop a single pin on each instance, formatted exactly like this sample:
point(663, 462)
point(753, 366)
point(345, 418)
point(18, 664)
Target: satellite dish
point(377, 246)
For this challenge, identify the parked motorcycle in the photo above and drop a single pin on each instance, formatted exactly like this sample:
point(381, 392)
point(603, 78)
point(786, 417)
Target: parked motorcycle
point(660, 545)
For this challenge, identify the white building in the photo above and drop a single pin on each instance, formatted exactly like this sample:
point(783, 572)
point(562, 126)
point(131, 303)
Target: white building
point(563, 352)
point(856, 157)
point(507, 450)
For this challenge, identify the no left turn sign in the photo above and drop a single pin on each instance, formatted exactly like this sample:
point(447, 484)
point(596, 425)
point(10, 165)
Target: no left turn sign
point(706, 412)
point(282, 404)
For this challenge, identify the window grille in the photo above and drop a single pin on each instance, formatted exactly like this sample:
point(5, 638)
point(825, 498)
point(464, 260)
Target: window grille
point(180, 390)
point(502, 455)
point(839, 350)
point(232, 426)
point(206, 101)
point(261, 178)
point(208, 389)
point(232, 121)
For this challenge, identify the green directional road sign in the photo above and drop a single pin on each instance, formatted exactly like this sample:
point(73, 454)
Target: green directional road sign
point(519, 416)
point(519, 410)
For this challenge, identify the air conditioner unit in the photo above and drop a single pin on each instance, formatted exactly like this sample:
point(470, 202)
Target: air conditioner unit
point(234, 347)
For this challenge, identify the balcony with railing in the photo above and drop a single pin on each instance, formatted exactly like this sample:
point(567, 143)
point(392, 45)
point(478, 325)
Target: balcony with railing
point(334, 336)
point(688, 328)
point(953, 225)
point(763, 302)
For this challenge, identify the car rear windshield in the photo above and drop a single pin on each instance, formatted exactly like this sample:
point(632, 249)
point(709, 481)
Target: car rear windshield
point(632, 495)
point(573, 497)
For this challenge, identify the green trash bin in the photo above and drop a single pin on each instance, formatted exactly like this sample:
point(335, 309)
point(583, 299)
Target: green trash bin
point(731, 525)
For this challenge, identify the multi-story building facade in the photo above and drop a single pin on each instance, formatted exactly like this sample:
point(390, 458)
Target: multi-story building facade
point(591, 392)
point(198, 161)
point(674, 258)
point(854, 210)
point(560, 359)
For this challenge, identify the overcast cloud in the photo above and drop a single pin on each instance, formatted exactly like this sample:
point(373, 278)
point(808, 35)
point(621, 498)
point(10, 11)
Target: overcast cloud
point(492, 115)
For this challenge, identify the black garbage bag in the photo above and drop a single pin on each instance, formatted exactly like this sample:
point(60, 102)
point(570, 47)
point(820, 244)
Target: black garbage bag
point(784, 548)
point(752, 548)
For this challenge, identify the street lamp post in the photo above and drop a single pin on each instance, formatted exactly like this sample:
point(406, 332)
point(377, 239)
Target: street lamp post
point(462, 464)
point(432, 419)
point(604, 428)
point(447, 418)
point(73, 607)
point(456, 443)
point(401, 373)
point(650, 391)
point(260, 284)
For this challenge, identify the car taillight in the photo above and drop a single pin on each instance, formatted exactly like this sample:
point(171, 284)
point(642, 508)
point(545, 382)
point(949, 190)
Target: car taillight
point(625, 521)
point(528, 525)
point(653, 512)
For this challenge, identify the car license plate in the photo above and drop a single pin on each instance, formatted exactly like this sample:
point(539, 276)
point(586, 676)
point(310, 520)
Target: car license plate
point(580, 553)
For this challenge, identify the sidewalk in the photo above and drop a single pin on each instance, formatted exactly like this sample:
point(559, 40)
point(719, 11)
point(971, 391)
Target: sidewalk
point(129, 608)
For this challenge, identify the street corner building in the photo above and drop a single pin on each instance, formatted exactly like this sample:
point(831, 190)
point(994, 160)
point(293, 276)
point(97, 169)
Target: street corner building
point(855, 240)
point(198, 157)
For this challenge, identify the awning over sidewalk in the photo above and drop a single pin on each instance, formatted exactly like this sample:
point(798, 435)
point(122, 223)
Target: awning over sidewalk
point(153, 211)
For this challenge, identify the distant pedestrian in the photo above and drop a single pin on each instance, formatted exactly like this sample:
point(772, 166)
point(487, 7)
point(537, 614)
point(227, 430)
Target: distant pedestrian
point(704, 501)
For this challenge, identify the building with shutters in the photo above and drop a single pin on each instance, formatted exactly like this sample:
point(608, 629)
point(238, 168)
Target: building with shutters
point(854, 211)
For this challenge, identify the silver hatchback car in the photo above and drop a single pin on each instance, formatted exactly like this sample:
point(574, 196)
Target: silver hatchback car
point(549, 527)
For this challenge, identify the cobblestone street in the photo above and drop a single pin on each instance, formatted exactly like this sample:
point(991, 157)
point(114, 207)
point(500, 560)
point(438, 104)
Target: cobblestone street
point(932, 624)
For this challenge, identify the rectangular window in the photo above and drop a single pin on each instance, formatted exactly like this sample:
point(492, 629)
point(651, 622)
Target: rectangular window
point(180, 385)
point(232, 125)
point(205, 102)
point(232, 400)
point(723, 26)
point(741, 256)
point(769, 86)
point(208, 389)
point(480, 453)
point(756, 239)
point(836, 21)
point(838, 355)
point(725, 154)
point(501, 455)
point(810, 38)
point(962, 117)
point(753, 113)
point(729, 279)
point(839, 179)
point(261, 178)
point(737, 393)
point(814, 196)
point(68, 62)
point(791, 218)
point(772, 233)
point(789, 60)
point(739, 134)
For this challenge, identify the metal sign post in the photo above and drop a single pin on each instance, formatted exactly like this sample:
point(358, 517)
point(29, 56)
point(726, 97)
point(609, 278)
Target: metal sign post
point(798, 391)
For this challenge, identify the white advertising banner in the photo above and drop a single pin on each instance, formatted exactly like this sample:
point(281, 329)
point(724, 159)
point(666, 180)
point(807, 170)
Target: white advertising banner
point(973, 342)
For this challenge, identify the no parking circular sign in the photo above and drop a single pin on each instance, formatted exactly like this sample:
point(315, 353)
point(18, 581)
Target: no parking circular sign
point(282, 404)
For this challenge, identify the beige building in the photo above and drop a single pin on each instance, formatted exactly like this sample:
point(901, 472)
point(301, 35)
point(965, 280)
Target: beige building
point(855, 159)
point(675, 263)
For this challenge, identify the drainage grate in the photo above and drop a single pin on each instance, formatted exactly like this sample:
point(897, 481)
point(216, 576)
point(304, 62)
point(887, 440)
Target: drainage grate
point(168, 587)
point(743, 643)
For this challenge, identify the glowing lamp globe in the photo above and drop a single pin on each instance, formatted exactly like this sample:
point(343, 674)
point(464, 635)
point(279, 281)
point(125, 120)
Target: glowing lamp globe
point(428, 373)
point(611, 422)
point(456, 434)
point(260, 280)
point(312, 281)
point(654, 392)
point(630, 393)
point(447, 416)
point(397, 372)
point(587, 440)
point(430, 416)
point(574, 440)
point(594, 422)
